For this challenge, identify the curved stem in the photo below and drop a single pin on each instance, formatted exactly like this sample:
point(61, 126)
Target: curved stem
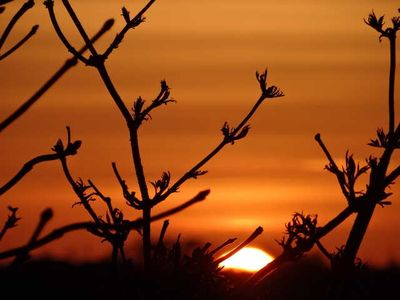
point(24, 8)
point(53, 79)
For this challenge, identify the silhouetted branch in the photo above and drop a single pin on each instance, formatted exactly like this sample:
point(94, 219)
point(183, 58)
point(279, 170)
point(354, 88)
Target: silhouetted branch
point(229, 134)
point(223, 245)
point(107, 200)
point(71, 149)
point(323, 250)
point(60, 72)
point(11, 221)
point(80, 28)
point(28, 166)
point(130, 24)
point(251, 238)
point(378, 181)
point(130, 197)
point(50, 7)
point(3, 2)
point(54, 235)
point(160, 242)
point(79, 188)
point(146, 204)
point(332, 167)
point(291, 253)
point(389, 33)
point(92, 227)
point(249, 288)
point(392, 75)
point(141, 114)
point(20, 43)
point(45, 217)
point(24, 8)
point(199, 197)
point(392, 176)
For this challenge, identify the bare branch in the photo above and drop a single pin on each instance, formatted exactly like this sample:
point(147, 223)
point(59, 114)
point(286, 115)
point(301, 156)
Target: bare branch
point(130, 197)
point(334, 168)
point(323, 250)
point(92, 227)
point(24, 8)
point(132, 23)
point(11, 221)
point(71, 149)
point(50, 8)
point(20, 43)
point(140, 114)
point(80, 28)
point(251, 238)
point(45, 217)
point(234, 133)
point(199, 197)
point(107, 200)
point(162, 235)
point(223, 245)
point(392, 176)
point(53, 79)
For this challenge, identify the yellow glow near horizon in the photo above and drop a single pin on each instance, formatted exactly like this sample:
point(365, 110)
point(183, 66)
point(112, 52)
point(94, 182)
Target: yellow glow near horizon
point(248, 259)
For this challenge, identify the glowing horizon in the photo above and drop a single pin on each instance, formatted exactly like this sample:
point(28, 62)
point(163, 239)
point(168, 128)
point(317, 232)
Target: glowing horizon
point(248, 259)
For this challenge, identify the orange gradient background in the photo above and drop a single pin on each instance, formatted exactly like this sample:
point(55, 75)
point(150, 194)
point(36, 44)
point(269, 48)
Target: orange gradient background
point(330, 65)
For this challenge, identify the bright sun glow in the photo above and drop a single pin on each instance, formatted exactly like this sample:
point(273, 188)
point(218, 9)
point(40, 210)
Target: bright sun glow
point(248, 259)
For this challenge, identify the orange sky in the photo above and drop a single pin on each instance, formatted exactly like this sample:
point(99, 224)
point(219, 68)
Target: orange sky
point(330, 65)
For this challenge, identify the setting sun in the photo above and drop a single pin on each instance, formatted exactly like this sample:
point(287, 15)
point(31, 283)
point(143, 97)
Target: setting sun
point(248, 259)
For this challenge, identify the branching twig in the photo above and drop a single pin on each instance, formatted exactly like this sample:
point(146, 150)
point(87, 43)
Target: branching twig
point(24, 8)
point(251, 238)
point(334, 168)
point(71, 149)
point(229, 136)
point(130, 197)
point(11, 221)
point(45, 217)
point(92, 227)
point(20, 43)
point(50, 7)
point(53, 79)
point(130, 24)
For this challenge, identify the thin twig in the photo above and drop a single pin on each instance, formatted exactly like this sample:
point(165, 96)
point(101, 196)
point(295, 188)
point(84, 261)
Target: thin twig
point(53, 79)
point(223, 245)
point(208, 157)
point(24, 8)
point(131, 24)
point(83, 200)
point(45, 217)
point(251, 238)
point(27, 167)
point(91, 227)
point(80, 28)
point(20, 43)
point(339, 175)
point(50, 8)
point(199, 197)
point(392, 176)
point(107, 200)
point(162, 235)
point(129, 197)
point(11, 221)
point(323, 250)
point(392, 75)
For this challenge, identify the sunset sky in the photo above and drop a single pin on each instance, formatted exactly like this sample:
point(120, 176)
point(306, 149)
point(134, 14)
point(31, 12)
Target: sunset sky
point(330, 65)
